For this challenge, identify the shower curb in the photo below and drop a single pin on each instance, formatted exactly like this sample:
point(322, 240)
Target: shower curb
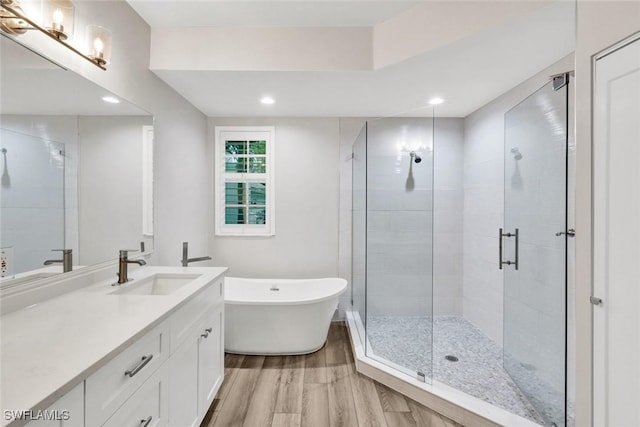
point(467, 410)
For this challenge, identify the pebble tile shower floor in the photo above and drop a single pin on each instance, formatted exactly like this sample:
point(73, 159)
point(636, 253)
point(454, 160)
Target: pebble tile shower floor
point(478, 371)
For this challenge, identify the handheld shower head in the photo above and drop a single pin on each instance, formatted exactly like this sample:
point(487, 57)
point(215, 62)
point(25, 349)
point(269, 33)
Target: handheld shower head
point(416, 158)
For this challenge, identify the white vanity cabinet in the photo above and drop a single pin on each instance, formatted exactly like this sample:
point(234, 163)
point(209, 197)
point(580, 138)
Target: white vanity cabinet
point(167, 375)
point(68, 411)
point(196, 364)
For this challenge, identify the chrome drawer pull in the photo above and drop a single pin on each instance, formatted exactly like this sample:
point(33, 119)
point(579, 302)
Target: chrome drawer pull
point(142, 364)
point(145, 423)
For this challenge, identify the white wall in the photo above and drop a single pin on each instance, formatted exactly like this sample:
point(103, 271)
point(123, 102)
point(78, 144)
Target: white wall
point(247, 48)
point(484, 203)
point(181, 165)
point(599, 25)
point(306, 211)
point(110, 185)
point(428, 25)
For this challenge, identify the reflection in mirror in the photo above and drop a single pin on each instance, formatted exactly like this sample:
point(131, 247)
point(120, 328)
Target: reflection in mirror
point(77, 172)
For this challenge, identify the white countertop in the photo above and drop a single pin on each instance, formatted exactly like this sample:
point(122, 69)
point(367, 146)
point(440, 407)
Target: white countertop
point(48, 348)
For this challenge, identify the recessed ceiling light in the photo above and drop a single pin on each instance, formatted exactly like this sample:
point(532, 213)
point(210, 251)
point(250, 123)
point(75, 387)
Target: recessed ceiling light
point(436, 101)
point(111, 99)
point(267, 100)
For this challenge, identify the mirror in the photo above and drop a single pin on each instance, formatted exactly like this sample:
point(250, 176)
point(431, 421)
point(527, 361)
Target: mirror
point(76, 171)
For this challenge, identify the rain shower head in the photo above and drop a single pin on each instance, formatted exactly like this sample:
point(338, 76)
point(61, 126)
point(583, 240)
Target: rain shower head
point(416, 158)
point(516, 153)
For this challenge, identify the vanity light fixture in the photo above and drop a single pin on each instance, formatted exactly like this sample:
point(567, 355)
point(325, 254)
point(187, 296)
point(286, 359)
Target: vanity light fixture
point(10, 21)
point(436, 101)
point(58, 18)
point(58, 24)
point(267, 100)
point(99, 44)
point(111, 99)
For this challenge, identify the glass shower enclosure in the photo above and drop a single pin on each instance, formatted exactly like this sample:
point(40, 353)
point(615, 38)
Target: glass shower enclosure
point(393, 242)
point(534, 248)
point(525, 372)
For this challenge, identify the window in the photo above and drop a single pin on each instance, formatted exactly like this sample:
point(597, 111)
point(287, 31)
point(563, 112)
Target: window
point(244, 202)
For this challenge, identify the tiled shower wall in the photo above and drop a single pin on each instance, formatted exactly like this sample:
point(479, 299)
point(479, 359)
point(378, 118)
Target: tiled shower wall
point(400, 216)
point(63, 211)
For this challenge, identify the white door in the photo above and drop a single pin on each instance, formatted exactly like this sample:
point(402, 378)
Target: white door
point(616, 215)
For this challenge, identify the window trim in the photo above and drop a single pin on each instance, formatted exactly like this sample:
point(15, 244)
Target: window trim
point(220, 177)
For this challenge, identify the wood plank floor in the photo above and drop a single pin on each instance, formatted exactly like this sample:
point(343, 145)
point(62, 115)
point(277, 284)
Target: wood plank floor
point(321, 389)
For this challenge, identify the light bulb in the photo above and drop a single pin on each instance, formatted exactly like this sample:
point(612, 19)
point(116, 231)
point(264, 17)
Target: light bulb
point(58, 17)
point(98, 46)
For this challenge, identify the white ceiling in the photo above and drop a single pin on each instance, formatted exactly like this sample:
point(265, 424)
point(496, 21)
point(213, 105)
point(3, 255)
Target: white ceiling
point(266, 13)
point(467, 73)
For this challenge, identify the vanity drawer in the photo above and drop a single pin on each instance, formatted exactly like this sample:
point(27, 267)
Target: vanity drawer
point(149, 405)
point(109, 387)
point(184, 320)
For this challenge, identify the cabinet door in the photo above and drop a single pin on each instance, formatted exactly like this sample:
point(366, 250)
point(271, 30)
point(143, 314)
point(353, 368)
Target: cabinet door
point(183, 383)
point(68, 411)
point(148, 406)
point(210, 359)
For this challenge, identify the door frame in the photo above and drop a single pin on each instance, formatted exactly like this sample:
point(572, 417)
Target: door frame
point(598, 331)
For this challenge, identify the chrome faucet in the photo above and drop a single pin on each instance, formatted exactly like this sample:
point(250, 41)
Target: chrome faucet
point(185, 256)
point(123, 264)
point(67, 260)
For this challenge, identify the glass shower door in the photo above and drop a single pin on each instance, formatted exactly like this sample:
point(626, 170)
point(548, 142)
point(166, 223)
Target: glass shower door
point(399, 244)
point(533, 248)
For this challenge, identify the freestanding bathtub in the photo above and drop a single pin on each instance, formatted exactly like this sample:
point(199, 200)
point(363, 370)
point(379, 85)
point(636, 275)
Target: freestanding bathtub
point(279, 316)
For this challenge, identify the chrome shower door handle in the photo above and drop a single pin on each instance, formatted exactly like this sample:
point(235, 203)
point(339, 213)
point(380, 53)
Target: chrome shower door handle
point(569, 233)
point(501, 235)
point(517, 246)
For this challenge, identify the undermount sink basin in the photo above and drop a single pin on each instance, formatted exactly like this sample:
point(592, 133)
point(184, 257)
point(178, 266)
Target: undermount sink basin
point(158, 284)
